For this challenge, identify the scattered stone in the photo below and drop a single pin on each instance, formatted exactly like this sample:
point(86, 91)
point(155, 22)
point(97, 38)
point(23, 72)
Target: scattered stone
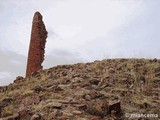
point(78, 91)
point(155, 60)
point(3, 89)
point(88, 97)
point(157, 74)
point(114, 106)
point(24, 113)
point(82, 106)
point(6, 102)
point(64, 101)
point(55, 105)
point(18, 79)
point(37, 116)
point(76, 112)
point(111, 70)
point(101, 82)
point(94, 94)
point(13, 117)
point(94, 82)
point(156, 82)
point(67, 114)
point(96, 118)
point(157, 69)
point(38, 89)
point(63, 118)
point(58, 89)
point(36, 75)
point(98, 108)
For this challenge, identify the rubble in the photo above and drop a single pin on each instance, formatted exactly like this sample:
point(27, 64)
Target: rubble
point(68, 92)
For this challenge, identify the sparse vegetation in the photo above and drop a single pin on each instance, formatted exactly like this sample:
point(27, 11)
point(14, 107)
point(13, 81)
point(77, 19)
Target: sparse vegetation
point(78, 91)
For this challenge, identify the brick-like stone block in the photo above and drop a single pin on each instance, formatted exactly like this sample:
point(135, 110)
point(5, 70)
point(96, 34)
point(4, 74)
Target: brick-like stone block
point(37, 45)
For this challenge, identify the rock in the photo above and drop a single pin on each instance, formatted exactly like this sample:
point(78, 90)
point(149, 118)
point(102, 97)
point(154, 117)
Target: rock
point(94, 82)
point(55, 105)
point(114, 115)
point(24, 113)
point(82, 118)
point(30, 100)
point(3, 88)
point(155, 60)
point(101, 108)
point(156, 82)
point(98, 108)
point(82, 106)
point(157, 74)
point(54, 114)
point(63, 87)
point(104, 94)
point(114, 106)
point(63, 118)
point(96, 118)
point(101, 82)
point(94, 94)
point(76, 112)
point(36, 75)
point(37, 116)
point(157, 69)
point(78, 91)
point(58, 89)
point(95, 87)
point(64, 80)
point(6, 102)
point(18, 79)
point(88, 97)
point(49, 74)
point(111, 70)
point(64, 101)
point(13, 117)
point(67, 114)
point(37, 45)
point(37, 89)
point(1, 108)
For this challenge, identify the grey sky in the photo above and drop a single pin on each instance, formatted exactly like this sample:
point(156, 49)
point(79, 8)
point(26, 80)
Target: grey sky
point(79, 31)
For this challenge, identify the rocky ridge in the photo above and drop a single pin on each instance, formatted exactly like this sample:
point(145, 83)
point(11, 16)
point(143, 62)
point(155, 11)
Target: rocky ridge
point(101, 90)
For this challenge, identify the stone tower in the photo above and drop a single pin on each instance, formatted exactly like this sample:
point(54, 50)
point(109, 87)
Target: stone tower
point(37, 45)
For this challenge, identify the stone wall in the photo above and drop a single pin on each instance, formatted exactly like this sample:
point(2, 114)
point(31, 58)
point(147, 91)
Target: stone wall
point(37, 45)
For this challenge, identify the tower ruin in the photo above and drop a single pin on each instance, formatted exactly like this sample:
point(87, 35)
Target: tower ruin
point(37, 45)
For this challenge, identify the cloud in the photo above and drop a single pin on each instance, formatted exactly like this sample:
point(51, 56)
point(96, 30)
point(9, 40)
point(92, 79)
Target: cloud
point(81, 30)
point(59, 57)
point(12, 65)
point(4, 78)
point(73, 21)
point(4, 75)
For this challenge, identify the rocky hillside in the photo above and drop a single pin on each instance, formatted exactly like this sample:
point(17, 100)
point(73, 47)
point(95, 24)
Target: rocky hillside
point(101, 90)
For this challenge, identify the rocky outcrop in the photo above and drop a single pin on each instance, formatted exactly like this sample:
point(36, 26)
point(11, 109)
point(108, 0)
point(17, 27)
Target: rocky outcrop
point(37, 45)
point(101, 90)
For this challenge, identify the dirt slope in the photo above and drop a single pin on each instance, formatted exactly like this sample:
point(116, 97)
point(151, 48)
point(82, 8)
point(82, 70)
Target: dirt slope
point(101, 90)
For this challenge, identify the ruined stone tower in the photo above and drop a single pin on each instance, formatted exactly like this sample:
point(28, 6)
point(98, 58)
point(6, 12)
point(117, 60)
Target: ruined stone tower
point(37, 45)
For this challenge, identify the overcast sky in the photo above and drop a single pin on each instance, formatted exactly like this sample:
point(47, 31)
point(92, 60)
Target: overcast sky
point(78, 31)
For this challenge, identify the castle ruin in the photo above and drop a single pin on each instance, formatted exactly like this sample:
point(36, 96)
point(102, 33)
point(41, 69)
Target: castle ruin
point(37, 45)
